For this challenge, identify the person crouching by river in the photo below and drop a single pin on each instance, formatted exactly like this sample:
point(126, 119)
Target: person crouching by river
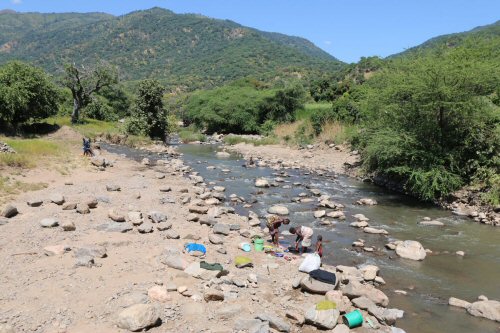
point(304, 235)
point(274, 222)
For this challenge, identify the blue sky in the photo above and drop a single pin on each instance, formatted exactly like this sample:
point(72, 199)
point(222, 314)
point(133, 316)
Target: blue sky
point(348, 29)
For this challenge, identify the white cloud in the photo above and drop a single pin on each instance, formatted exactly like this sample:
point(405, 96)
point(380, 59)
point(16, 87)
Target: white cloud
point(328, 42)
point(16, 2)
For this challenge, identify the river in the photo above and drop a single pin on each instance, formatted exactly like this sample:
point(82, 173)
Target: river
point(428, 283)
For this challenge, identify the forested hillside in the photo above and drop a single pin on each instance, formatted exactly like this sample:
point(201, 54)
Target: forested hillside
point(190, 51)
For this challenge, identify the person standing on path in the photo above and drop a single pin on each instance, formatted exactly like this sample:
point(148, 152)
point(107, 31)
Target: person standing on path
point(304, 235)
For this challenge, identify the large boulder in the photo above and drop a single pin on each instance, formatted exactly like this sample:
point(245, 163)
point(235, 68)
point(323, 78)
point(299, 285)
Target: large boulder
point(278, 210)
point(411, 250)
point(315, 287)
point(323, 319)
point(486, 309)
point(138, 317)
point(355, 289)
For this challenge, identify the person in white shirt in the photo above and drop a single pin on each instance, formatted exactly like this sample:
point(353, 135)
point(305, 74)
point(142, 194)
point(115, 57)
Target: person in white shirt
point(304, 235)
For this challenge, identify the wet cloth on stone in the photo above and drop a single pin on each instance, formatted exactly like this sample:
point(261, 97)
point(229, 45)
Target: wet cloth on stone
point(195, 247)
point(211, 267)
point(241, 262)
point(323, 276)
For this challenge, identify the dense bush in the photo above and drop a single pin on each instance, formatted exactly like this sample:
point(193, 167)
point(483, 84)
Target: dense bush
point(26, 93)
point(431, 121)
point(243, 107)
point(148, 115)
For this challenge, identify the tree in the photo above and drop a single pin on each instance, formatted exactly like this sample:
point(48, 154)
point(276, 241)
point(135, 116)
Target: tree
point(84, 82)
point(148, 115)
point(282, 106)
point(26, 93)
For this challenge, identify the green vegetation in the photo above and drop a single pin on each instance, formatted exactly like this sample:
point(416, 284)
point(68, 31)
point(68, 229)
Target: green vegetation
point(26, 93)
point(245, 106)
point(190, 134)
point(28, 152)
point(148, 115)
point(9, 186)
point(182, 51)
point(84, 82)
point(235, 139)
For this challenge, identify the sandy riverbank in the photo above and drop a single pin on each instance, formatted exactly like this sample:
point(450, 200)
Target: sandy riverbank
point(103, 272)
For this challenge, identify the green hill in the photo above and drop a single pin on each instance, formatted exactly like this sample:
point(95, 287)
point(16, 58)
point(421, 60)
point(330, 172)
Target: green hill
point(486, 32)
point(179, 49)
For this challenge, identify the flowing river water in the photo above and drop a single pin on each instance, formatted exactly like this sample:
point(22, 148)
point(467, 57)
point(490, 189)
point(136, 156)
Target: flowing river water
point(428, 283)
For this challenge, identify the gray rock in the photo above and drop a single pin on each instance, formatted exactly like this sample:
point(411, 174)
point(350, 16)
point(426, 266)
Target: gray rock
point(145, 228)
point(167, 200)
point(376, 231)
point(165, 189)
point(229, 312)
point(431, 223)
point(298, 318)
point(198, 209)
point(69, 206)
point(49, 222)
point(208, 220)
point(172, 258)
point(157, 217)
point(162, 226)
point(192, 217)
point(251, 326)
point(458, 303)
point(68, 226)
point(57, 198)
point(35, 202)
point(275, 322)
point(411, 250)
point(355, 289)
point(103, 198)
point(213, 295)
point(316, 287)
point(113, 188)
point(9, 211)
point(324, 319)
point(278, 210)
point(116, 216)
point(84, 261)
point(486, 309)
point(261, 182)
point(223, 229)
point(115, 227)
point(92, 203)
point(214, 239)
point(138, 317)
point(135, 218)
point(82, 208)
point(94, 251)
point(172, 234)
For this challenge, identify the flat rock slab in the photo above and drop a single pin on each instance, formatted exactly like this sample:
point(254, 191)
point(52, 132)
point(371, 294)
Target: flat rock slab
point(115, 227)
point(316, 287)
point(35, 202)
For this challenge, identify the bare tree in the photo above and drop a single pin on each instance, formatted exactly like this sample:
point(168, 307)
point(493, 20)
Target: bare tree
point(83, 82)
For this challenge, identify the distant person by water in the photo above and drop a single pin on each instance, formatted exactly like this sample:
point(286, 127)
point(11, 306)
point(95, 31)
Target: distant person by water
point(304, 236)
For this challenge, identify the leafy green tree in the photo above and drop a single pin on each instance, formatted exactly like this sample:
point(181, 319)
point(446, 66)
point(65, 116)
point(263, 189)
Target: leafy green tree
point(26, 93)
point(430, 119)
point(148, 114)
point(282, 106)
point(86, 81)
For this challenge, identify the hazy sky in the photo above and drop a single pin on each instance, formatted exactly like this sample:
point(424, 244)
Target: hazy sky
point(348, 29)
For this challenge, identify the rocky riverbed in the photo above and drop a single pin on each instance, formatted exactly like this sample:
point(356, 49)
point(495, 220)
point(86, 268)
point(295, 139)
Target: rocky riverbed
point(103, 251)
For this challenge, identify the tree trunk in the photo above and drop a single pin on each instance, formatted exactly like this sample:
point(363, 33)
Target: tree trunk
point(75, 115)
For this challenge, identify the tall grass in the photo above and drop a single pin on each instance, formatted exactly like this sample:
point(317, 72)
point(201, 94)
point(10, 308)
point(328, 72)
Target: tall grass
point(337, 132)
point(189, 134)
point(88, 127)
point(29, 152)
point(235, 139)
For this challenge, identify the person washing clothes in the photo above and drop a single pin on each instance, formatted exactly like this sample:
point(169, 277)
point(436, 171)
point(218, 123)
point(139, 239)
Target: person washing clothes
point(304, 235)
point(273, 224)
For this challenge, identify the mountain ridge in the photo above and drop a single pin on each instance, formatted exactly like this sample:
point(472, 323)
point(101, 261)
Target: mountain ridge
point(180, 49)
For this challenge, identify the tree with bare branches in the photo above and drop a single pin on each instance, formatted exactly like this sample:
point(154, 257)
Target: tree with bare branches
point(85, 81)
